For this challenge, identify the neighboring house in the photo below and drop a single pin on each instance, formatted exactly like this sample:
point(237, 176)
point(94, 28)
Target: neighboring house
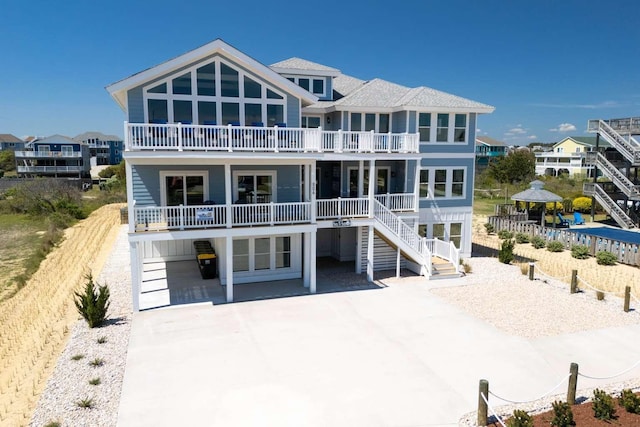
point(488, 150)
point(271, 167)
point(106, 149)
point(568, 157)
point(55, 156)
point(10, 142)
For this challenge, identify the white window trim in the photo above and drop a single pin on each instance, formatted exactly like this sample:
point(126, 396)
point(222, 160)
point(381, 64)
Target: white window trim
point(363, 121)
point(274, 183)
point(447, 229)
point(307, 116)
point(448, 183)
point(166, 173)
point(293, 260)
point(296, 80)
point(450, 131)
point(366, 170)
point(218, 99)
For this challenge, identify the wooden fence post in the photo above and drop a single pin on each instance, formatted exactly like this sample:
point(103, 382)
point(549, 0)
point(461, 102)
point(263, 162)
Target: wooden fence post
point(532, 267)
point(573, 384)
point(574, 281)
point(482, 405)
point(627, 298)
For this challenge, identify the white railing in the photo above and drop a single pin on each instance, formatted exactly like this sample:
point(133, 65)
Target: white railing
point(182, 137)
point(616, 212)
point(340, 208)
point(619, 179)
point(407, 236)
point(400, 202)
point(157, 218)
point(444, 250)
point(50, 169)
point(49, 154)
point(628, 147)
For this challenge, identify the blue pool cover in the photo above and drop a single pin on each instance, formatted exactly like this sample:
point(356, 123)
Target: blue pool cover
point(611, 233)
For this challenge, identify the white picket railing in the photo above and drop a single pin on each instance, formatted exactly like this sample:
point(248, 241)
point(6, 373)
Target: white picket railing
point(444, 250)
point(357, 207)
point(184, 137)
point(400, 202)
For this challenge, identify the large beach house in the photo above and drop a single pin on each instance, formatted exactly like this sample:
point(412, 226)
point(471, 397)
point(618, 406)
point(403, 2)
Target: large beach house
point(272, 167)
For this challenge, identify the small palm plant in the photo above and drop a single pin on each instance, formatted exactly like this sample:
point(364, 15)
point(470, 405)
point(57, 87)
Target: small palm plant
point(93, 305)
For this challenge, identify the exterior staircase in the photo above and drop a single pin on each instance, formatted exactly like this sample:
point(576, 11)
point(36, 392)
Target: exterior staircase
point(631, 190)
point(443, 269)
point(391, 227)
point(610, 205)
point(627, 146)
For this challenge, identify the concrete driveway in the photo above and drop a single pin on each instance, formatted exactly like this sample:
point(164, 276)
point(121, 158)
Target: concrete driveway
point(393, 356)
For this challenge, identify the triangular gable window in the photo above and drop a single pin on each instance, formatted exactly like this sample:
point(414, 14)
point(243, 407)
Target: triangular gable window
point(159, 89)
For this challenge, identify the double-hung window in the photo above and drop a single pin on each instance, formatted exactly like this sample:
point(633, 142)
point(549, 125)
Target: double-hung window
point(442, 182)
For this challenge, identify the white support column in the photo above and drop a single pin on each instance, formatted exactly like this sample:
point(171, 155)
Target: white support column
point(416, 187)
point(130, 201)
point(306, 196)
point(398, 263)
point(227, 194)
point(361, 178)
point(359, 250)
point(229, 267)
point(312, 262)
point(373, 178)
point(136, 276)
point(312, 180)
point(306, 259)
point(370, 255)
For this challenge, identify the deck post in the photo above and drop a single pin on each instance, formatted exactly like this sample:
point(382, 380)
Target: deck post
point(306, 258)
point(229, 267)
point(136, 276)
point(312, 262)
point(227, 194)
point(370, 255)
point(373, 178)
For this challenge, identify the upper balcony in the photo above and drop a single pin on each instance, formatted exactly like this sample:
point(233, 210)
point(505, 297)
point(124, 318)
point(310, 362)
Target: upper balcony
point(212, 138)
point(48, 154)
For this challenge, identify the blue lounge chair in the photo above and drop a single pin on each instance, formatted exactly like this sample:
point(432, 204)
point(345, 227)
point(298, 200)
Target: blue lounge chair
point(563, 221)
point(577, 218)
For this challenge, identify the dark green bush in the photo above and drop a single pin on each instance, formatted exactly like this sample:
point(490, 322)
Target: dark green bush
point(603, 408)
point(606, 258)
point(505, 234)
point(505, 255)
point(93, 305)
point(562, 414)
point(629, 401)
point(520, 419)
point(522, 238)
point(580, 251)
point(538, 242)
point(490, 228)
point(555, 246)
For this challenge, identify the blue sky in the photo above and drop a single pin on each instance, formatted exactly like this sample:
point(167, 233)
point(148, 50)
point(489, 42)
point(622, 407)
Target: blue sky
point(546, 65)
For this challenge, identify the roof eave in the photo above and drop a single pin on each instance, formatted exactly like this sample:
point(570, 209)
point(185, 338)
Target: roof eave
point(303, 72)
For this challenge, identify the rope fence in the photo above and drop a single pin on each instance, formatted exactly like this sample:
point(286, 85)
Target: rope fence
point(572, 377)
point(536, 273)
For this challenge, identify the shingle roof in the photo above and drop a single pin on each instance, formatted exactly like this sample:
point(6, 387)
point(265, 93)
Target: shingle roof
point(585, 140)
point(375, 93)
point(536, 194)
point(303, 65)
point(490, 141)
point(426, 97)
point(343, 85)
point(96, 135)
point(7, 137)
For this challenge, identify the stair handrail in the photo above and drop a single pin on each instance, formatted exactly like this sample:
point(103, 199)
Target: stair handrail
point(403, 232)
point(603, 198)
point(618, 177)
point(629, 149)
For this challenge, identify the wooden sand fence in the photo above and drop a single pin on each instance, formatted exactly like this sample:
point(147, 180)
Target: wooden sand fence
point(36, 320)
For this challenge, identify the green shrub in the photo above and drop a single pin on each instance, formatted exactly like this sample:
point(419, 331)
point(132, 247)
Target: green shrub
point(97, 362)
point(95, 381)
point(505, 234)
point(538, 242)
point(522, 238)
point(555, 246)
point(582, 204)
point(505, 255)
point(53, 424)
point(85, 403)
point(606, 258)
point(489, 228)
point(603, 408)
point(580, 251)
point(562, 414)
point(520, 419)
point(629, 401)
point(93, 305)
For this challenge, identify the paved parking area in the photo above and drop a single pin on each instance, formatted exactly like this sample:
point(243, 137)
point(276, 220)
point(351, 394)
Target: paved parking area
point(396, 355)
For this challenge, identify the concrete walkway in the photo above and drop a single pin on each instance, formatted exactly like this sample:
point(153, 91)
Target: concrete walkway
point(392, 356)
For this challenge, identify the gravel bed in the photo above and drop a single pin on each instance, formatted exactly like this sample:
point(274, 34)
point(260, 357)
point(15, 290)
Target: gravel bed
point(69, 382)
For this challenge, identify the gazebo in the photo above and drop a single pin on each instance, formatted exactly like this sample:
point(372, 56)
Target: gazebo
point(537, 194)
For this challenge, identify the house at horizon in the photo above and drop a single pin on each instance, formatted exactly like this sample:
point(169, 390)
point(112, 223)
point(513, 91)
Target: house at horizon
point(488, 150)
point(106, 149)
point(56, 156)
point(271, 167)
point(10, 142)
point(568, 156)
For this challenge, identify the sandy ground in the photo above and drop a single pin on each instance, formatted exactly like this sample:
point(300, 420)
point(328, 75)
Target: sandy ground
point(35, 322)
point(559, 264)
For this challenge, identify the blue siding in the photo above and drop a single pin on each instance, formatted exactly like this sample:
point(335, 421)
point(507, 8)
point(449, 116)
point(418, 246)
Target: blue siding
point(135, 105)
point(328, 84)
point(413, 126)
point(56, 147)
point(293, 112)
point(399, 122)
